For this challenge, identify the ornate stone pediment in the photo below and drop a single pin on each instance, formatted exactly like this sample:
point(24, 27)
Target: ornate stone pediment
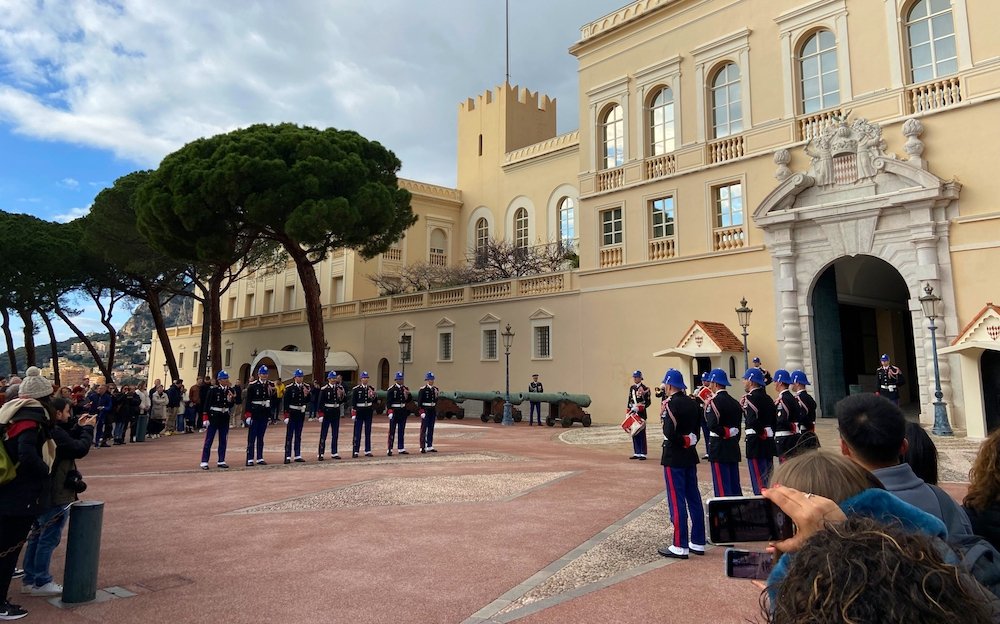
point(846, 154)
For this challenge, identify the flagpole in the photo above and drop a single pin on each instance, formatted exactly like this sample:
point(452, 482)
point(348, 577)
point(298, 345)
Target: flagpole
point(507, 43)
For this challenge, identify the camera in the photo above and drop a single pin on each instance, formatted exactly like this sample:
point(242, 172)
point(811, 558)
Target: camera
point(74, 482)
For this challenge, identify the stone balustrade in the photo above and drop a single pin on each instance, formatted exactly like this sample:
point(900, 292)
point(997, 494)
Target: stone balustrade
point(729, 148)
point(729, 238)
point(662, 248)
point(610, 179)
point(660, 166)
point(612, 256)
point(934, 95)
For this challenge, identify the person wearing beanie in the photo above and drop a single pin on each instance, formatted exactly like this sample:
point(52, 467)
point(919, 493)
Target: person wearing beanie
point(28, 421)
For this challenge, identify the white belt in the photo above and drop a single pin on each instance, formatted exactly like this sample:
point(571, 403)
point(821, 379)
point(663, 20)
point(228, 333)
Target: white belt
point(264, 403)
point(397, 405)
point(889, 388)
point(364, 404)
point(429, 404)
point(751, 432)
point(714, 434)
point(298, 408)
point(219, 409)
point(331, 405)
point(782, 434)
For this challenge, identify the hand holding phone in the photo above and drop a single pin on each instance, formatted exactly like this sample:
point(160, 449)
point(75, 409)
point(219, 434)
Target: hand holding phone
point(748, 564)
point(738, 519)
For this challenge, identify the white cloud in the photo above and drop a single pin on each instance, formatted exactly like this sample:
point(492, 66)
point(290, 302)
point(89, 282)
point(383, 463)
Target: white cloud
point(142, 77)
point(71, 214)
point(70, 183)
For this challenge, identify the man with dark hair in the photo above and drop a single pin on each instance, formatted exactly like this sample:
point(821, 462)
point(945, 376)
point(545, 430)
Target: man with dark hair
point(873, 435)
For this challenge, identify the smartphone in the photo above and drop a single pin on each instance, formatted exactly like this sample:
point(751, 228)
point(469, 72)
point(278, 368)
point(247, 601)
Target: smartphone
point(748, 564)
point(738, 519)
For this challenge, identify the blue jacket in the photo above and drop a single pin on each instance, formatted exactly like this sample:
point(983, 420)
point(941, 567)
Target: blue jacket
point(904, 483)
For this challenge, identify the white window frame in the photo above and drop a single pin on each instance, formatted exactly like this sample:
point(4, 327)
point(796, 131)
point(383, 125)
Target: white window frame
point(708, 58)
point(520, 226)
point(489, 323)
point(716, 200)
point(931, 43)
point(621, 223)
point(819, 55)
point(733, 125)
point(620, 132)
point(598, 98)
point(541, 319)
point(446, 327)
point(798, 24)
point(650, 212)
point(649, 80)
point(895, 21)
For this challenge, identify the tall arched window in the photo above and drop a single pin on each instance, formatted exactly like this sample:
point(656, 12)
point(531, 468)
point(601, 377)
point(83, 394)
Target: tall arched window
point(727, 101)
point(818, 77)
point(567, 222)
point(439, 248)
point(930, 34)
point(613, 137)
point(661, 122)
point(521, 228)
point(482, 234)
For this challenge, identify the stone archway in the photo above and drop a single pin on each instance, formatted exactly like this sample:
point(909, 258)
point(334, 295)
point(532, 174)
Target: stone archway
point(858, 199)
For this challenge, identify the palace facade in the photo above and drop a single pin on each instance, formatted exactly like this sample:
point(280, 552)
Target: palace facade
point(828, 160)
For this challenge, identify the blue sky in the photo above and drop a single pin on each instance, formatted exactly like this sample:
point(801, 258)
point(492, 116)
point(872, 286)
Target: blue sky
point(91, 90)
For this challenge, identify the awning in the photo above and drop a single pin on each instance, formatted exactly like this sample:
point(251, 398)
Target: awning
point(288, 361)
point(972, 345)
point(682, 353)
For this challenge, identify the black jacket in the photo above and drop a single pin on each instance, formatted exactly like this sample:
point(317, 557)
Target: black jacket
point(681, 417)
point(986, 523)
point(723, 412)
point(21, 496)
point(72, 443)
point(760, 413)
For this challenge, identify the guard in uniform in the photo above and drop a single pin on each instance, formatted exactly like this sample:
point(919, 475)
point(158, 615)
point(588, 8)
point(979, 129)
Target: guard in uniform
point(296, 400)
point(763, 371)
point(427, 398)
point(218, 405)
point(681, 417)
point(889, 378)
point(807, 412)
point(724, 415)
point(260, 393)
point(535, 407)
point(362, 406)
point(787, 419)
point(639, 400)
point(396, 399)
point(700, 395)
point(760, 416)
point(331, 397)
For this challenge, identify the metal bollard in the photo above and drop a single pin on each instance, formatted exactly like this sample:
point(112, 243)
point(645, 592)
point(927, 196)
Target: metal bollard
point(83, 552)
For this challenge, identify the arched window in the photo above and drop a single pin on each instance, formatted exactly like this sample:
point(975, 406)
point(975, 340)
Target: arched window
point(727, 101)
point(661, 122)
point(383, 374)
point(930, 34)
point(613, 137)
point(818, 77)
point(567, 222)
point(521, 228)
point(439, 248)
point(482, 234)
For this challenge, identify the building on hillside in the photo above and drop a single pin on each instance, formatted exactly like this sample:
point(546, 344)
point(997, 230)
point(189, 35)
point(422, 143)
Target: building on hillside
point(78, 348)
point(70, 373)
point(825, 159)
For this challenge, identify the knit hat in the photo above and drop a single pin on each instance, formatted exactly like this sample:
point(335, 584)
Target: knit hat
point(34, 386)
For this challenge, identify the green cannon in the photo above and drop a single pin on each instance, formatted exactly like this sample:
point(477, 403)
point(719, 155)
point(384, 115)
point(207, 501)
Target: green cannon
point(563, 407)
point(447, 404)
point(492, 404)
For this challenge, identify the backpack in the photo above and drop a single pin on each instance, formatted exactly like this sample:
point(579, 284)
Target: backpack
point(8, 469)
point(972, 553)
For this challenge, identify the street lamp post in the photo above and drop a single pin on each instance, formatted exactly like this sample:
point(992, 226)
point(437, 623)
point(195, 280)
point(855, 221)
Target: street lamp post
point(929, 303)
point(404, 352)
point(508, 340)
point(743, 315)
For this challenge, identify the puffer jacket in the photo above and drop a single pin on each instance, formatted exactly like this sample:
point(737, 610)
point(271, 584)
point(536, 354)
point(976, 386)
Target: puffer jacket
point(27, 442)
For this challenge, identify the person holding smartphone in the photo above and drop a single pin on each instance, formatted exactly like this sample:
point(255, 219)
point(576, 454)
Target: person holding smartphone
point(679, 459)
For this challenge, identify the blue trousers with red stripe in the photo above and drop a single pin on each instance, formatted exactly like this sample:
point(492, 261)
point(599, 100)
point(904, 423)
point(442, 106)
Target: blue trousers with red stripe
point(760, 472)
point(639, 443)
point(684, 499)
point(726, 478)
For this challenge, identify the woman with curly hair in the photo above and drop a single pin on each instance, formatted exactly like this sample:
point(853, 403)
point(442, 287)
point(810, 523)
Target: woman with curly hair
point(982, 503)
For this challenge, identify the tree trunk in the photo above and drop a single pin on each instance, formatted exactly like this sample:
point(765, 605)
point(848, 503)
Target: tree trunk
point(214, 310)
point(29, 338)
point(314, 307)
point(153, 296)
point(9, 338)
point(105, 369)
point(112, 340)
point(55, 347)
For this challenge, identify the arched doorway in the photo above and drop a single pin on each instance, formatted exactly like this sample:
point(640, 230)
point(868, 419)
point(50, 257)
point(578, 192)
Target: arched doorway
point(383, 374)
point(989, 364)
point(245, 374)
point(860, 311)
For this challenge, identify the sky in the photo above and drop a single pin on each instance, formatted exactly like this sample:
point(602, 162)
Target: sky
point(91, 90)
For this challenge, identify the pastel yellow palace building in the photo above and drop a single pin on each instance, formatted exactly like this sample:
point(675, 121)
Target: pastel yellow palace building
point(825, 159)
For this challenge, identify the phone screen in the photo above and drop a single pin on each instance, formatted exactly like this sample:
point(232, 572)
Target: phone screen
point(748, 564)
point(737, 519)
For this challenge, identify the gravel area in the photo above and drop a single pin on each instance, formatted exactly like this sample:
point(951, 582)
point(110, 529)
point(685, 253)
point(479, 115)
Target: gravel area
point(597, 434)
point(414, 491)
point(632, 545)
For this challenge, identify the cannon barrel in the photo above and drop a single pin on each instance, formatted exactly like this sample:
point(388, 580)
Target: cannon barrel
point(583, 400)
point(466, 395)
point(456, 396)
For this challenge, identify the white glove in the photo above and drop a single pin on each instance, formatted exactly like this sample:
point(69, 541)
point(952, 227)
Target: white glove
point(247, 421)
point(690, 440)
point(390, 414)
point(423, 413)
point(770, 432)
point(734, 431)
point(320, 419)
point(286, 421)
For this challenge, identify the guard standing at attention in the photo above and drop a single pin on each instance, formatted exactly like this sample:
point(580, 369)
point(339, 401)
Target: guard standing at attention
point(260, 393)
point(427, 398)
point(362, 405)
point(807, 411)
point(763, 371)
point(331, 398)
point(724, 415)
point(296, 400)
point(889, 378)
point(760, 414)
point(396, 399)
point(639, 400)
point(218, 403)
point(681, 418)
point(787, 418)
point(535, 407)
